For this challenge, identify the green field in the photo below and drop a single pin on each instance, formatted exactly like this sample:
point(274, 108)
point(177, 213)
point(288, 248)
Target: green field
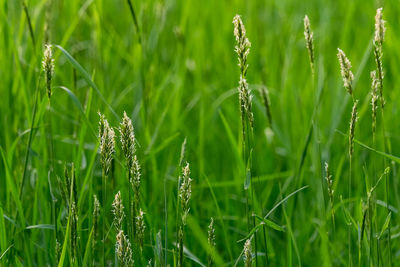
point(245, 148)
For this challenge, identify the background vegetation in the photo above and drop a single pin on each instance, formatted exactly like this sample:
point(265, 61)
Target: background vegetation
point(175, 73)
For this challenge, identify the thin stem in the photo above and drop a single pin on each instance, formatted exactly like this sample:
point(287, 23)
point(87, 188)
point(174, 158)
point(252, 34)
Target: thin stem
point(349, 207)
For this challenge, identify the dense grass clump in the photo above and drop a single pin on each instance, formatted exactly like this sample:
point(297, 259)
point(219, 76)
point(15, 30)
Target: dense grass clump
point(154, 133)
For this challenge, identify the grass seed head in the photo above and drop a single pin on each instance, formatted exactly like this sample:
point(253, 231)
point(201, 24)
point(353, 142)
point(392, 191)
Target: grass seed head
point(140, 228)
point(242, 49)
point(243, 44)
point(374, 98)
point(118, 211)
point(353, 122)
point(329, 182)
point(345, 71)
point(107, 144)
point(185, 191)
point(211, 241)
point(123, 249)
point(247, 253)
point(48, 67)
point(379, 28)
point(127, 140)
point(308, 35)
point(136, 177)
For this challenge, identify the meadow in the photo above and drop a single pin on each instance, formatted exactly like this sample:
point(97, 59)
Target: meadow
point(199, 133)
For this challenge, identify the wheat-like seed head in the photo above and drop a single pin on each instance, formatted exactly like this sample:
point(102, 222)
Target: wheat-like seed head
point(243, 44)
point(378, 51)
point(127, 140)
point(185, 191)
point(329, 181)
point(245, 99)
point(118, 211)
point(352, 128)
point(374, 98)
point(107, 144)
point(247, 254)
point(123, 249)
point(345, 71)
point(136, 177)
point(379, 28)
point(242, 49)
point(211, 233)
point(140, 228)
point(48, 67)
point(308, 35)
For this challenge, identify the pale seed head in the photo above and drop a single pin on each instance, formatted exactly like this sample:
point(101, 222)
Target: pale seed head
point(185, 191)
point(345, 71)
point(127, 140)
point(118, 211)
point(123, 249)
point(48, 67)
point(247, 254)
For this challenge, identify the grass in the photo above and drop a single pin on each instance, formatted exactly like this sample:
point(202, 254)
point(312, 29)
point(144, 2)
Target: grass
point(172, 67)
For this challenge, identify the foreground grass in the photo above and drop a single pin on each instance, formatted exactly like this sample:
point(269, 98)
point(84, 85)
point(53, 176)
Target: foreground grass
point(172, 67)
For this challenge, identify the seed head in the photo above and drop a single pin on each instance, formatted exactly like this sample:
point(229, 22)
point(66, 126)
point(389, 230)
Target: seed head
point(211, 233)
point(107, 144)
point(374, 98)
point(245, 100)
point(123, 249)
point(211, 241)
point(140, 228)
point(242, 47)
point(48, 67)
point(329, 182)
point(247, 254)
point(136, 177)
point(308, 35)
point(379, 28)
point(118, 211)
point(345, 71)
point(127, 140)
point(185, 191)
point(352, 128)
point(378, 51)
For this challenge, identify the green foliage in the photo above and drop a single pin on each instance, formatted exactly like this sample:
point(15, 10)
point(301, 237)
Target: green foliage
point(171, 65)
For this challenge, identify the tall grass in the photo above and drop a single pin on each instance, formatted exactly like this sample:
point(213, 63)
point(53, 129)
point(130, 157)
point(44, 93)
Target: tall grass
point(169, 68)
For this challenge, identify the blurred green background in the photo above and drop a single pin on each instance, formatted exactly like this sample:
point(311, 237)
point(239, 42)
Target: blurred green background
point(176, 77)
